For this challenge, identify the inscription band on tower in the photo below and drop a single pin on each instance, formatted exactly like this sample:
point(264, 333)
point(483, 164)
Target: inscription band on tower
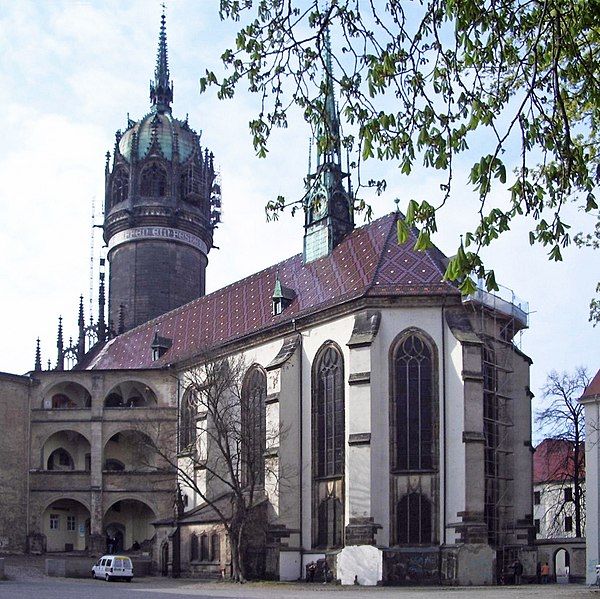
point(156, 233)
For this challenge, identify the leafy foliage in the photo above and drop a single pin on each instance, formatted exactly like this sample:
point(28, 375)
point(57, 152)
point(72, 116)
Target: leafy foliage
point(427, 82)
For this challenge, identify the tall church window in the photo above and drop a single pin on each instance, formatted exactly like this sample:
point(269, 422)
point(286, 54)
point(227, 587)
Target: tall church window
point(187, 421)
point(194, 547)
point(254, 425)
point(328, 442)
point(120, 186)
point(153, 181)
point(413, 517)
point(412, 414)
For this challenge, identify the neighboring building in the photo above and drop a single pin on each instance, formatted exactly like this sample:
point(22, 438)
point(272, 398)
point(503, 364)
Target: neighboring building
point(406, 409)
point(553, 489)
point(591, 401)
point(554, 513)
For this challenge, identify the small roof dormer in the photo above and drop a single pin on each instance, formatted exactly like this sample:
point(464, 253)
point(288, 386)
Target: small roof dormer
point(282, 297)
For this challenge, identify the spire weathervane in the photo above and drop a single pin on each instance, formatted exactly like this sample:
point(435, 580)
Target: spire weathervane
point(161, 89)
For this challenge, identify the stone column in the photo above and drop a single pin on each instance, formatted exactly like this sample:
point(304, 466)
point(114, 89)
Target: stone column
point(361, 528)
point(97, 541)
point(283, 453)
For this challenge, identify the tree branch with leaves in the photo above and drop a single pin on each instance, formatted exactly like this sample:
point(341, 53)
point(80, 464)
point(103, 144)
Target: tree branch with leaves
point(422, 84)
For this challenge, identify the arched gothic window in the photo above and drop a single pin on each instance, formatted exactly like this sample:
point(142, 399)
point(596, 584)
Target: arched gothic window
point(328, 442)
point(328, 413)
point(413, 516)
point(254, 426)
point(204, 557)
point(120, 186)
point(193, 547)
point(187, 421)
point(60, 459)
point(153, 182)
point(412, 432)
point(215, 548)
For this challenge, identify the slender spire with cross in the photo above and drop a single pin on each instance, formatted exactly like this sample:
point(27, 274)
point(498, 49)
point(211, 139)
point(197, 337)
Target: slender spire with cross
point(328, 204)
point(161, 89)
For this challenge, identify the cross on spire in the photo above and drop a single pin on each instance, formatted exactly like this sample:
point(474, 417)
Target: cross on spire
point(161, 89)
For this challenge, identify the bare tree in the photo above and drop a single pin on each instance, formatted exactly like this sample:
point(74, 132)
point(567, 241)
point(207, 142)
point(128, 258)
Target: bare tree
point(223, 429)
point(563, 420)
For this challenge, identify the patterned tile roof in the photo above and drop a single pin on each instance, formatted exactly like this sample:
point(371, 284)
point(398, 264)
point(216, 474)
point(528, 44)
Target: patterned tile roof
point(369, 262)
point(593, 389)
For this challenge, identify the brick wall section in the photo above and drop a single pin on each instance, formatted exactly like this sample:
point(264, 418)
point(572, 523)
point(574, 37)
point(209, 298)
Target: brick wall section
point(153, 277)
point(14, 417)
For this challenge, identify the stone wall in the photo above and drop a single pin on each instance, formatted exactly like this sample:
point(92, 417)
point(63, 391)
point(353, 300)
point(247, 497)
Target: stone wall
point(14, 416)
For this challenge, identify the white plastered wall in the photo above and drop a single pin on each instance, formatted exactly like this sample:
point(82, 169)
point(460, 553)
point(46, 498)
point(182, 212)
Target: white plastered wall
point(429, 320)
point(592, 481)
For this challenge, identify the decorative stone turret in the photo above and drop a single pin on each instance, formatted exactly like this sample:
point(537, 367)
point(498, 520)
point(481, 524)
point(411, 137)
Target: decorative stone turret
point(161, 207)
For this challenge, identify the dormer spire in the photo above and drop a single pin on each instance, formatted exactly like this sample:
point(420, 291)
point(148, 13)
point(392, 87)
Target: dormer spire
point(161, 89)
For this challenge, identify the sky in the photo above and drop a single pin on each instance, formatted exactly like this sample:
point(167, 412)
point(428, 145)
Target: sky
point(71, 71)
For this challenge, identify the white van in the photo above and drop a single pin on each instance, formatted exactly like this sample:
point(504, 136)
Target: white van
point(111, 567)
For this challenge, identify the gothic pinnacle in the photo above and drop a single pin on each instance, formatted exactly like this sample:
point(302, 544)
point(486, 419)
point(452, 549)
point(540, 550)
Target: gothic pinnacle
point(161, 89)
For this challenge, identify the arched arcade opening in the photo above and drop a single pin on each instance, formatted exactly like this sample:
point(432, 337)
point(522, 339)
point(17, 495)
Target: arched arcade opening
point(128, 525)
point(66, 525)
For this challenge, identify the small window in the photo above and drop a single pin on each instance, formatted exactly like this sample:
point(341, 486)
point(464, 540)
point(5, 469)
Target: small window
point(54, 522)
point(568, 523)
point(71, 523)
point(536, 523)
point(568, 494)
point(109, 562)
point(103, 562)
point(536, 498)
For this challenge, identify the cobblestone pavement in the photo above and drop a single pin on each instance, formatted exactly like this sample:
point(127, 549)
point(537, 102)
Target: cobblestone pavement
point(26, 580)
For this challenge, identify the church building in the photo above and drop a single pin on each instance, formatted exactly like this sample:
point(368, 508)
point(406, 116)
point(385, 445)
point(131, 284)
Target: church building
point(401, 410)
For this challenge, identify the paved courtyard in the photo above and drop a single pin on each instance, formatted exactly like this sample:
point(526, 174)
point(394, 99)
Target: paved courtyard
point(26, 580)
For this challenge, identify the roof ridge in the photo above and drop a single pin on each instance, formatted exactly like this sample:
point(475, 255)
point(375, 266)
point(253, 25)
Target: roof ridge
point(382, 254)
point(238, 282)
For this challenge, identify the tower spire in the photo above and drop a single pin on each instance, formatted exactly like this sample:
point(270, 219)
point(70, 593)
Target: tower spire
point(81, 326)
point(60, 358)
point(161, 89)
point(38, 356)
point(328, 207)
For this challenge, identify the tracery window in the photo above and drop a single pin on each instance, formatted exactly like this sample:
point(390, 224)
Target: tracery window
point(187, 421)
point(254, 425)
point(193, 547)
point(204, 557)
point(120, 186)
point(328, 442)
point(328, 414)
point(153, 182)
point(215, 548)
point(413, 517)
point(412, 405)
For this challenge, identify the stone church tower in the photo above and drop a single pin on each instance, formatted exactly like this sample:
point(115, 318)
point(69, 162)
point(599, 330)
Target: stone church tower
point(329, 205)
point(162, 205)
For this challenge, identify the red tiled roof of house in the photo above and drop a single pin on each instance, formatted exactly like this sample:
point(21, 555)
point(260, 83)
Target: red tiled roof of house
point(369, 262)
point(553, 461)
point(593, 389)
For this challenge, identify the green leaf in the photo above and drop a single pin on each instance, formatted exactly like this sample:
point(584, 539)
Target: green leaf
point(402, 231)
